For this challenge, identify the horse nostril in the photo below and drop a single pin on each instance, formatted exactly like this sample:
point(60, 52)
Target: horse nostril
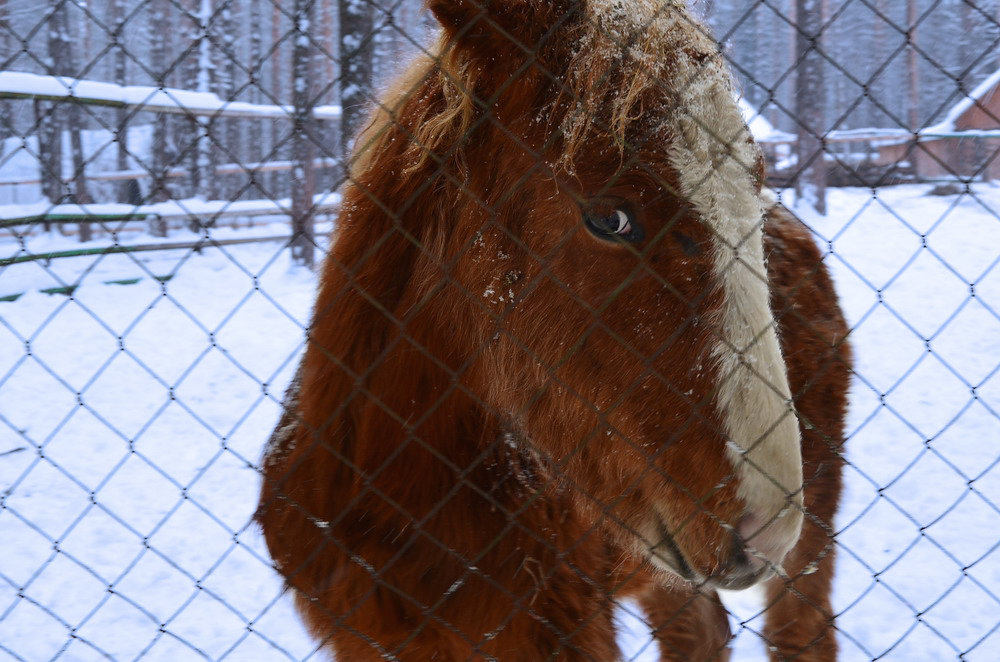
point(738, 555)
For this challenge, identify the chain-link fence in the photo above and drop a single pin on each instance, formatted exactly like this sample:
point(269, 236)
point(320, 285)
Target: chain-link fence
point(517, 353)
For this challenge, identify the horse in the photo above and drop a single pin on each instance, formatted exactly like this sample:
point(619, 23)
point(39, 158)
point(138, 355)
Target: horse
point(565, 351)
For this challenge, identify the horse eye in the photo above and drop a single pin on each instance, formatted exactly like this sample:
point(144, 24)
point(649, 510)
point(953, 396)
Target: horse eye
point(617, 226)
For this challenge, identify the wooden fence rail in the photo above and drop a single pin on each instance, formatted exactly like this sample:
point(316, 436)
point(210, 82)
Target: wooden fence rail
point(141, 98)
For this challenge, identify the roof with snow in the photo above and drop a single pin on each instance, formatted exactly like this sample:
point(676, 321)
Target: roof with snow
point(761, 129)
point(978, 98)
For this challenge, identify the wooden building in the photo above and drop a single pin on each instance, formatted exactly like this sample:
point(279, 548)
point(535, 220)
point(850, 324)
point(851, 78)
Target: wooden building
point(965, 145)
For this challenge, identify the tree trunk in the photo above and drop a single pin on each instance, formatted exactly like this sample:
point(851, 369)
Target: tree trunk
point(121, 78)
point(255, 128)
point(228, 129)
point(52, 121)
point(6, 55)
point(81, 195)
point(49, 123)
point(277, 91)
point(810, 104)
point(329, 19)
point(969, 47)
point(61, 54)
point(876, 117)
point(912, 67)
point(159, 31)
point(326, 70)
point(188, 132)
point(303, 145)
point(206, 159)
point(355, 71)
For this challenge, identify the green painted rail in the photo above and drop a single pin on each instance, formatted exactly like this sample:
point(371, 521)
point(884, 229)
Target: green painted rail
point(164, 246)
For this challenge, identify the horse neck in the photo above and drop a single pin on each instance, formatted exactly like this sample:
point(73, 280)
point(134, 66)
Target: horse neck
point(383, 357)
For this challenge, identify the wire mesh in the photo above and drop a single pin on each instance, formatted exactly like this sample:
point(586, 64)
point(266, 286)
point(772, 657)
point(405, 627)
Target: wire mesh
point(176, 190)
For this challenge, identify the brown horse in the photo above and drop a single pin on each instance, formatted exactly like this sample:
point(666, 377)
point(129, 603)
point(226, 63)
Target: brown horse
point(548, 366)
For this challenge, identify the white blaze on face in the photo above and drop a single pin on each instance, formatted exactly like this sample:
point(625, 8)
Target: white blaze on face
point(715, 158)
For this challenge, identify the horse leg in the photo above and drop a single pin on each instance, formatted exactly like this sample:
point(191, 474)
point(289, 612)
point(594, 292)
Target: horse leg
point(799, 619)
point(688, 625)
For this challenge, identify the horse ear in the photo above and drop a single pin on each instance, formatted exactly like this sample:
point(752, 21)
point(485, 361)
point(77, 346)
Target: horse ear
point(499, 24)
point(458, 15)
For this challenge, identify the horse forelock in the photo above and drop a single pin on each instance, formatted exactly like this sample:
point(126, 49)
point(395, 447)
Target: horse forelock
point(437, 89)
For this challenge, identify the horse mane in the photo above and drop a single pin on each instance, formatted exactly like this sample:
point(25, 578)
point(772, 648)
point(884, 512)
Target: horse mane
point(431, 103)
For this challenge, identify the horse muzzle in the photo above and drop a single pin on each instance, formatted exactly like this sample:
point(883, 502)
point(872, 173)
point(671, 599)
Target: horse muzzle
point(741, 566)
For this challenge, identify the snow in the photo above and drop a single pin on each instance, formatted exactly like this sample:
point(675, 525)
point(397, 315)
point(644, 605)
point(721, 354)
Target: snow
point(131, 417)
point(145, 98)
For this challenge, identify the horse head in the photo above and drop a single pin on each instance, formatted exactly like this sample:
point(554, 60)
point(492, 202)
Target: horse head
point(603, 208)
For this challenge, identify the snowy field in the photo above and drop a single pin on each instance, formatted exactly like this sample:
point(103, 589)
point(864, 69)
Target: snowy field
point(133, 411)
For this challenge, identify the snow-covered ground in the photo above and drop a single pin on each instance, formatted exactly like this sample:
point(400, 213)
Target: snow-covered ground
point(131, 415)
